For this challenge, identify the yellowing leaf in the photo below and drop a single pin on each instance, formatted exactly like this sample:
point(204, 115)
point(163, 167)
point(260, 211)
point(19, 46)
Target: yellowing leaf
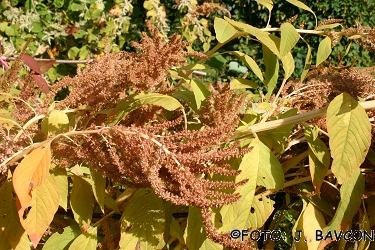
point(131, 103)
point(44, 204)
point(260, 167)
point(324, 50)
point(98, 183)
point(82, 211)
point(58, 122)
point(142, 223)
point(61, 179)
point(351, 194)
point(240, 83)
point(266, 3)
point(250, 63)
point(86, 241)
point(59, 241)
point(200, 92)
point(195, 234)
point(307, 63)
point(262, 36)
point(328, 26)
point(302, 6)
point(272, 70)
point(289, 38)
point(288, 65)
point(319, 159)
point(312, 220)
point(349, 135)
point(30, 174)
point(223, 30)
point(10, 226)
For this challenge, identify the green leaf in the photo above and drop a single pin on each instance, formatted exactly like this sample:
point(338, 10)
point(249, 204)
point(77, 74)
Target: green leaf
point(73, 53)
point(250, 63)
point(37, 27)
point(262, 36)
point(61, 241)
point(324, 50)
point(223, 30)
point(351, 193)
point(240, 83)
point(349, 135)
point(308, 60)
point(195, 234)
point(82, 211)
point(76, 7)
point(272, 70)
point(143, 221)
point(319, 158)
point(98, 183)
point(58, 3)
point(266, 3)
point(289, 38)
point(11, 227)
point(200, 91)
point(61, 179)
point(86, 241)
point(58, 122)
point(187, 96)
point(302, 6)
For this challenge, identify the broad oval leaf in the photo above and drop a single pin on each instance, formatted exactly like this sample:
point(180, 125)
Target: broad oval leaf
point(303, 6)
point(144, 224)
point(44, 204)
point(260, 167)
point(250, 63)
point(324, 50)
point(30, 174)
point(349, 135)
point(351, 195)
point(223, 30)
point(86, 241)
point(58, 122)
point(289, 38)
point(82, 211)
